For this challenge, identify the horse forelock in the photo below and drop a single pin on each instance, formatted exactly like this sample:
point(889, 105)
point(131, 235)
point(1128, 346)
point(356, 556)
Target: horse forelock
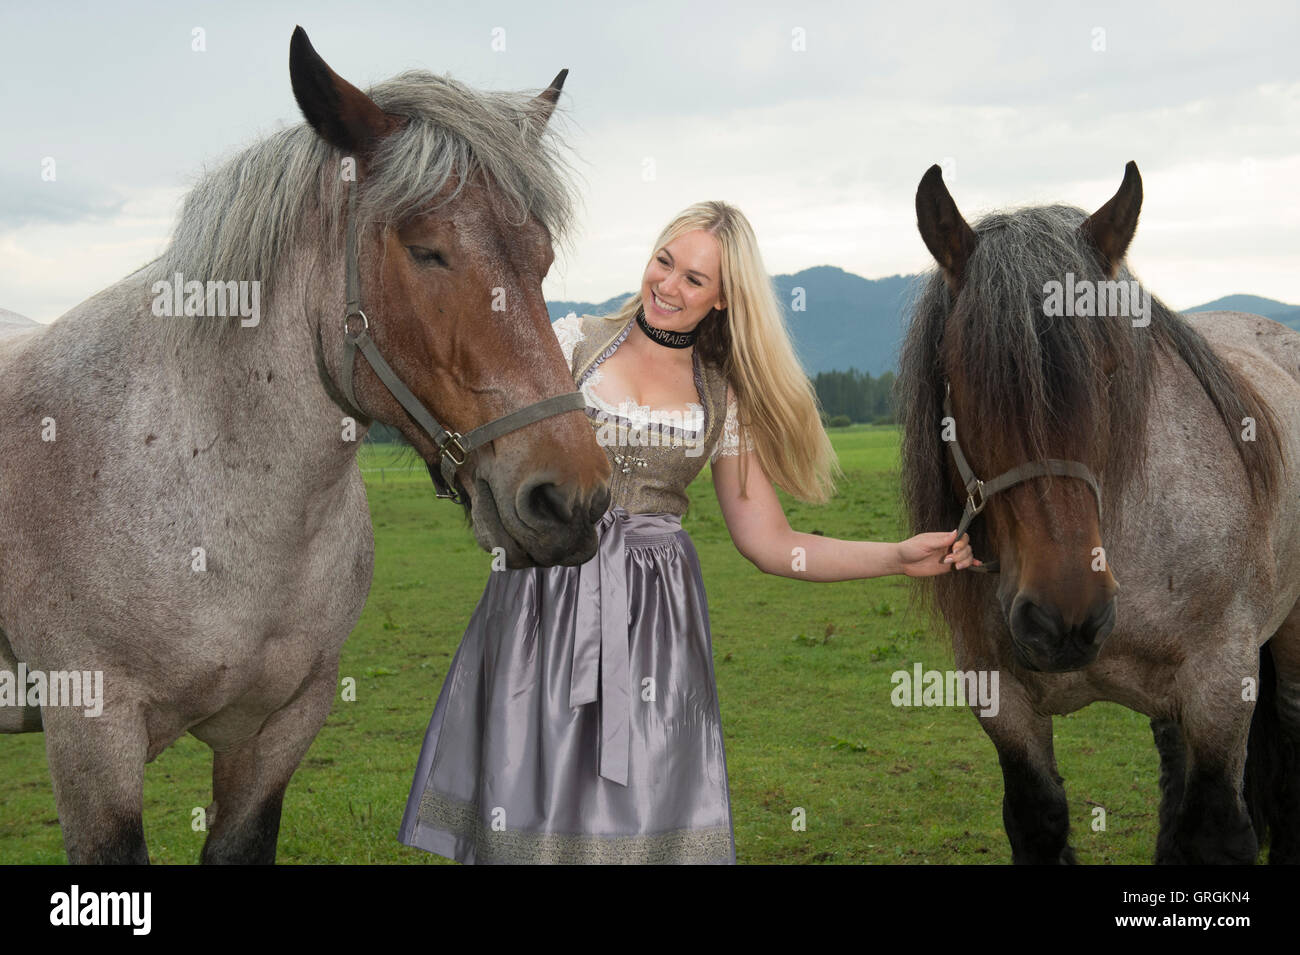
point(241, 220)
point(1035, 384)
point(455, 130)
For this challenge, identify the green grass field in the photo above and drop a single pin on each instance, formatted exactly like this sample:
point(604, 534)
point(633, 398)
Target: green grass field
point(803, 674)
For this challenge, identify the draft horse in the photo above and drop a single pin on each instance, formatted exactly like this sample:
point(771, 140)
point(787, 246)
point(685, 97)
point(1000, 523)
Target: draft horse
point(1132, 472)
point(181, 503)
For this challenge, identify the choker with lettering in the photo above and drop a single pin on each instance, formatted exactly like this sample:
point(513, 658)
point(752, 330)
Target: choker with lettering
point(665, 337)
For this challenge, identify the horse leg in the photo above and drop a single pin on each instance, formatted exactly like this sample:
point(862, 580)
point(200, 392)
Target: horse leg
point(1173, 777)
point(1034, 808)
point(1212, 826)
point(1281, 756)
point(249, 777)
point(97, 767)
point(16, 719)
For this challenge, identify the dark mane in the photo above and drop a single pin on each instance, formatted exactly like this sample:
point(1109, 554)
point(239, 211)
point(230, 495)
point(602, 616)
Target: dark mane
point(1038, 384)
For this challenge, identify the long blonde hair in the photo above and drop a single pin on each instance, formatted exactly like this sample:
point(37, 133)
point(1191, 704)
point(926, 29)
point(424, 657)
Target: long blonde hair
point(748, 339)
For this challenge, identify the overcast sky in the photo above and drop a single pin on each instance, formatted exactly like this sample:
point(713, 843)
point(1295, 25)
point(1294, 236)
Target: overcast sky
point(822, 148)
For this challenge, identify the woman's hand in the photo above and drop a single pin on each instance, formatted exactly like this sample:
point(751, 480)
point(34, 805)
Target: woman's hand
point(919, 556)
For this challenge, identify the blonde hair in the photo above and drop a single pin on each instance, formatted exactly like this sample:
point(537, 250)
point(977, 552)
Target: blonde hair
point(748, 339)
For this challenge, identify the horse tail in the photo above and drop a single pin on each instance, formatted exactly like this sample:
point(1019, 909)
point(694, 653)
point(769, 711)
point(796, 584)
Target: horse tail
point(1271, 757)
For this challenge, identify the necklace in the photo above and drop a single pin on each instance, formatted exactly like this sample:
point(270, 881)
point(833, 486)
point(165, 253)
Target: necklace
point(665, 337)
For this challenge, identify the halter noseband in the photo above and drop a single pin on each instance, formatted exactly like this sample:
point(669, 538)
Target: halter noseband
point(453, 448)
point(1022, 472)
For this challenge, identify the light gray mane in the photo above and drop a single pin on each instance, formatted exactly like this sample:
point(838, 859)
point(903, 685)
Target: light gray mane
point(240, 219)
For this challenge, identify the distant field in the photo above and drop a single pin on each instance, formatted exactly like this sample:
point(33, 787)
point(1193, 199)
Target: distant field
point(803, 673)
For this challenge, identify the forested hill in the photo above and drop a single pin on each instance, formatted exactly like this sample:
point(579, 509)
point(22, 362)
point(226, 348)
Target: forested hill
point(847, 331)
point(845, 321)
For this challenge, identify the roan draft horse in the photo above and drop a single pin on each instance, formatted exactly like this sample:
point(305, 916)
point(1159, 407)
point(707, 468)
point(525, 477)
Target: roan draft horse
point(181, 503)
point(1134, 476)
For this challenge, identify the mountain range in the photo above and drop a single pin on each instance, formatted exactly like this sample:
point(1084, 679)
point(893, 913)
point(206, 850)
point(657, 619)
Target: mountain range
point(853, 322)
point(849, 321)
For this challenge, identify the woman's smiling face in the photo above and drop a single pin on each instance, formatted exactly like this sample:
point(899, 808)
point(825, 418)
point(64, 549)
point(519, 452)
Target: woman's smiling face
point(682, 281)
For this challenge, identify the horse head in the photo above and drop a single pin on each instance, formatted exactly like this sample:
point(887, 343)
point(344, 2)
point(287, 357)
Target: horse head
point(450, 287)
point(1037, 392)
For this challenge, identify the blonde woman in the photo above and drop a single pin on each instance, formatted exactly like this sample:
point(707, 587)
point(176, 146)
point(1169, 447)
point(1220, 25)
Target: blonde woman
point(580, 721)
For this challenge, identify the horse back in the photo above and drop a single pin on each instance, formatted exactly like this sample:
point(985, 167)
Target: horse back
point(1250, 335)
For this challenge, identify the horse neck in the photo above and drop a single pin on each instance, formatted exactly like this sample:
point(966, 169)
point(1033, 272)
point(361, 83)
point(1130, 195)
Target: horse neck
point(263, 380)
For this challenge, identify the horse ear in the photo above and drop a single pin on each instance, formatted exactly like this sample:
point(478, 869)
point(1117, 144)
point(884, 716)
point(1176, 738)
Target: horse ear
point(949, 239)
point(343, 115)
point(1112, 226)
point(543, 104)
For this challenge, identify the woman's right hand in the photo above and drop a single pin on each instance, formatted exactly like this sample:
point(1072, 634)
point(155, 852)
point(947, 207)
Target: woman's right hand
point(927, 555)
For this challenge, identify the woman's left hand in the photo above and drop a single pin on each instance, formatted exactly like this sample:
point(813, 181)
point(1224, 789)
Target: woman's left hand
point(919, 556)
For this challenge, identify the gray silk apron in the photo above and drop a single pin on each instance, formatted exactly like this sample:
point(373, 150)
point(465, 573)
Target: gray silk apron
point(579, 721)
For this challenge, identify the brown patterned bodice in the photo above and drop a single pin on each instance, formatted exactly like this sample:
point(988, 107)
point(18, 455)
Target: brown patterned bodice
point(653, 464)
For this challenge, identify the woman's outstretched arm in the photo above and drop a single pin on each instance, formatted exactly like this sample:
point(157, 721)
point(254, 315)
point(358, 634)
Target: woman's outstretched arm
point(760, 531)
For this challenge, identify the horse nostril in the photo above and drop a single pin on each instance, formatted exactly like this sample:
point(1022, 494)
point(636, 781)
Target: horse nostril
point(1100, 622)
point(1036, 623)
point(1030, 621)
point(547, 503)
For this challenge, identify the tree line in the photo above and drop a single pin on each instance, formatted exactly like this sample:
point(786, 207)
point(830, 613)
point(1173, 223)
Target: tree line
point(856, 396)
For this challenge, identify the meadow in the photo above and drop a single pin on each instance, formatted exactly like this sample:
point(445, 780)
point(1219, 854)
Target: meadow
point(803, 674)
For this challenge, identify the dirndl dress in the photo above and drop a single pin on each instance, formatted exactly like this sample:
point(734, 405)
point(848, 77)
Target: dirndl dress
point(580, 722)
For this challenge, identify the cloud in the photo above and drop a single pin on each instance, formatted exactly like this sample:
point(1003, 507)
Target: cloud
point(35, 202)
point(47, 267)
point(821, 148)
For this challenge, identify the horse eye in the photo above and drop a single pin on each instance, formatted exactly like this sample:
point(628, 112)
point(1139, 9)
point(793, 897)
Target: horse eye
point(426, 256)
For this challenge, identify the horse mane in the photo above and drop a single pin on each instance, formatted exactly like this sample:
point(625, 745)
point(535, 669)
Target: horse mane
point(240, 219)
point(1038, 382)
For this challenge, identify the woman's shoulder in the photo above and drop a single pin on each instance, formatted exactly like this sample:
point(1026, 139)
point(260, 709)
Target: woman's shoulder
point(568, 331)
point(574, 328)
point(574, 324)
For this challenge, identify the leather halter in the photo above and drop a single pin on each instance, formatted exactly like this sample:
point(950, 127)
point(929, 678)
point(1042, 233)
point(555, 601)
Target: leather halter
point(1022, 472)
point(453, 448)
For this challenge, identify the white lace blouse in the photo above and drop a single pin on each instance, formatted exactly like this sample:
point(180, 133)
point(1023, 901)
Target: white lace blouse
point(568, 330)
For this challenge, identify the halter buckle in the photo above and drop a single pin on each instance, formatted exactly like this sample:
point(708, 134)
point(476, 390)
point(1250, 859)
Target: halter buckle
point(970, 500)
point(453, 441)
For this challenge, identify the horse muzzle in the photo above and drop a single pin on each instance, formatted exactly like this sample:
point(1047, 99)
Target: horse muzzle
point(1042, 641)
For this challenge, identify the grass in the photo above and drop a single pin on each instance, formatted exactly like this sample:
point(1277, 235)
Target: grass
point(804, 682)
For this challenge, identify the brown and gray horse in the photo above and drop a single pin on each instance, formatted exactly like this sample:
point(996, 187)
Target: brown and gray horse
point(1174, 589)
point(180, 498)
